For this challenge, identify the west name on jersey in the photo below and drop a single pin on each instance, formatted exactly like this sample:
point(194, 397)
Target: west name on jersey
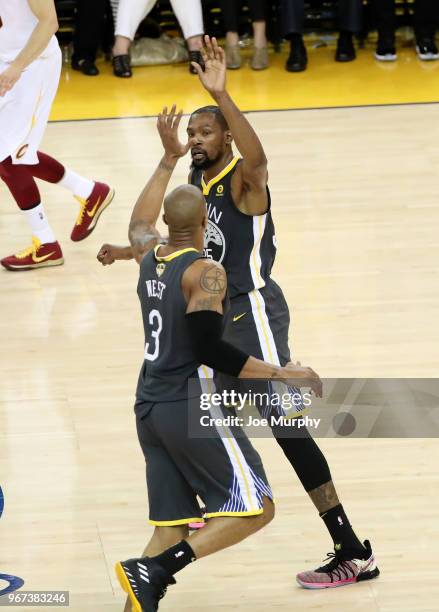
point(155, 288)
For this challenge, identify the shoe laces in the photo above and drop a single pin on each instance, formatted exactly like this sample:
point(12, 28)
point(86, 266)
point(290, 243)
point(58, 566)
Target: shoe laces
point(338, 566)
point(29, 250)
point(82, 207)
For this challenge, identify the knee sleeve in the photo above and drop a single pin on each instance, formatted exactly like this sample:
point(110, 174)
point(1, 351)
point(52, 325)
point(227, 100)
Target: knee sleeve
point(307, 459)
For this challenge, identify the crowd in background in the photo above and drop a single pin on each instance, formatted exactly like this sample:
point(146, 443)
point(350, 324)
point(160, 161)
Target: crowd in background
point(127, 15)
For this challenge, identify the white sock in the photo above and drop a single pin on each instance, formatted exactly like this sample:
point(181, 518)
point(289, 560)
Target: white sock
point(77, 184)
point(37, 219)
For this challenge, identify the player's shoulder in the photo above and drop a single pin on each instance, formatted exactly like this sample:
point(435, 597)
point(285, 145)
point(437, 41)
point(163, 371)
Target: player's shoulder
point(208, 274)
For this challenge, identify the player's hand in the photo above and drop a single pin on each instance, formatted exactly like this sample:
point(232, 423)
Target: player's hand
point(107, 254)
point(213, 77)
point(8, 78)
point(167, 125)
point(304, 377)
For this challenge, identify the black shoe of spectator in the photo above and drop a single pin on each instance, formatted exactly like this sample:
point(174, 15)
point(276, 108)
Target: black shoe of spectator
point(195, 56)
point(426, 49)
point(122, 66)
point(385, 51)
point(345, 48)
point(298, 58)
point(85, 66)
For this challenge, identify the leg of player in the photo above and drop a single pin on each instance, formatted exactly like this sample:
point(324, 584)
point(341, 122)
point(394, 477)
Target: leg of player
point(146, 579)
point(162, 538)
point(45, 250)
point(352, 561)
point(93, 196)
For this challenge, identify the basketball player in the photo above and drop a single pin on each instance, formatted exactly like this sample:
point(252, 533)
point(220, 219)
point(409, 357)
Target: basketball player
point(30, 65)
point(240, 235)
point(181, 295)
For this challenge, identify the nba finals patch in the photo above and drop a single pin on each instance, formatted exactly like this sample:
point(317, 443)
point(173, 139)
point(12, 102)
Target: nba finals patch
point(160, 268)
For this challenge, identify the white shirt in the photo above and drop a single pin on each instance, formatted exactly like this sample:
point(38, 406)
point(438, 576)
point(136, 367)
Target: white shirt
point(17, 22)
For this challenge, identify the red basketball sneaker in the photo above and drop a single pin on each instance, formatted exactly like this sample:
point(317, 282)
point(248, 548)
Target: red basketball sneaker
point(36, 256)
point(90, 210)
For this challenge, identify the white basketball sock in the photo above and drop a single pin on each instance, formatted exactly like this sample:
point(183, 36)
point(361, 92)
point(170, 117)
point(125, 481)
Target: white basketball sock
point(36, 217)
point(77, 184)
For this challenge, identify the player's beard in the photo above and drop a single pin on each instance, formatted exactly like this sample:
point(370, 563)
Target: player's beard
point(205, 163)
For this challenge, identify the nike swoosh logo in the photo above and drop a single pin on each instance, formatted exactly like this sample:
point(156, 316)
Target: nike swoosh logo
point(36, 259)
point(92, 212)
point(239, 317)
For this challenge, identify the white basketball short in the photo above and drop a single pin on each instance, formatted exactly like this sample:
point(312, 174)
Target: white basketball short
point(25, 110)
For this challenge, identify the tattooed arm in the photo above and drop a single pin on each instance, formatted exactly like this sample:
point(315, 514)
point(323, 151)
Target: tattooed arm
point(204, 286)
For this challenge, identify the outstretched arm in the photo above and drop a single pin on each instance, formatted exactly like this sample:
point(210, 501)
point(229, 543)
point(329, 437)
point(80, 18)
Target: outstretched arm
point(150, 201)
point(44, 11)
point(142, 231)
point(204, 285)
point(254, 164)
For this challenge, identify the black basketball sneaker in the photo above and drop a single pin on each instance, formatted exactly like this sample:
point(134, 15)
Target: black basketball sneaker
point(144, 581)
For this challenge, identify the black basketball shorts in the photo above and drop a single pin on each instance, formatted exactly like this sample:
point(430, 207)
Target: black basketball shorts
point(225, 471)
point(258, 323)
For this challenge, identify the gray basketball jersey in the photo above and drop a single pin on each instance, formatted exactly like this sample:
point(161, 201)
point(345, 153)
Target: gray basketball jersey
point(244, 244)
point(169, 361)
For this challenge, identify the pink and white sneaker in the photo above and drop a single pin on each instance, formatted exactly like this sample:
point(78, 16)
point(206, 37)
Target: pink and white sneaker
point(340, 571)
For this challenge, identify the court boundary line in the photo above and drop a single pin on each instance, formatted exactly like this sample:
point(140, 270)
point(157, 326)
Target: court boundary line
point(264, 110)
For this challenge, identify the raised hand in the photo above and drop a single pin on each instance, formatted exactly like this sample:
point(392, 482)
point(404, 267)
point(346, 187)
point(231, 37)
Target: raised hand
point(213, 78)
point(167, 125)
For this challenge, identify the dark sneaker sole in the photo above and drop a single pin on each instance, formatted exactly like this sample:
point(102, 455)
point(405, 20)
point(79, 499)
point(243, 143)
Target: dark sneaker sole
point(125, 584)
point(324, 585)
point(95, 220)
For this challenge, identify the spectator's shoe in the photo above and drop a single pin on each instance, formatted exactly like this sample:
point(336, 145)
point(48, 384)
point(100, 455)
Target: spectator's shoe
point(90, 210)
point(345, 48)
point(385, 51)
point(340, 570)
point(36, 256)
point(259, 59)
point(122, 66)
point(144, 581)
point(233, 57)
point(298, 58)
point(85, 66)
point(426, 49)
point(195, 56)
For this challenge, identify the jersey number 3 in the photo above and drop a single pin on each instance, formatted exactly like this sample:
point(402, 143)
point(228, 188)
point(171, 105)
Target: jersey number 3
point(152, 347)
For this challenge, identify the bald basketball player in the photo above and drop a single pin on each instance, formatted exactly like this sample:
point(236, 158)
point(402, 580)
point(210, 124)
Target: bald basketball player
point(181, 295)
point(241, 236)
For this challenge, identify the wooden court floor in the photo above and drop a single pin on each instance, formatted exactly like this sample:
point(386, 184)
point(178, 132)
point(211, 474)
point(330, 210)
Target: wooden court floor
point(355, 201)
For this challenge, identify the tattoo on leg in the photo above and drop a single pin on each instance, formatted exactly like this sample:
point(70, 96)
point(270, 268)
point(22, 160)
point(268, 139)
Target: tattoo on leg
point(324, 497)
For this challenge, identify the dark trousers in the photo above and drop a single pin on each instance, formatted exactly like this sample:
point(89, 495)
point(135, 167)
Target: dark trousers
point(293, 16)
point(425, 17)
point(89, 29)
point(230, 9)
